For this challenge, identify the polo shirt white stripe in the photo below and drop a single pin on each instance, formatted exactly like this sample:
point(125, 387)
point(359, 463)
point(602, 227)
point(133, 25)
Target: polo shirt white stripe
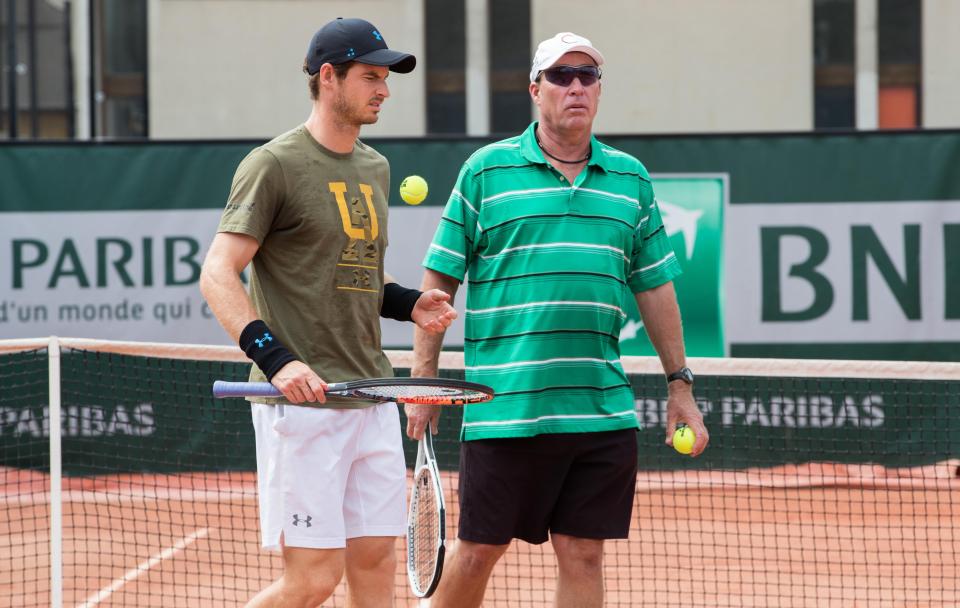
point(445, 250)
point(543, 362)
point(459, 195)
point(660, 262)
point(615, 152)
point(559, 304)
point(494, 423)
point(523, 192)
point(610, 195)
point(559, 246)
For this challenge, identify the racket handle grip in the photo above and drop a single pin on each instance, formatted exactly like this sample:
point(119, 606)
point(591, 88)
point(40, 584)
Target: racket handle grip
point(223, 389)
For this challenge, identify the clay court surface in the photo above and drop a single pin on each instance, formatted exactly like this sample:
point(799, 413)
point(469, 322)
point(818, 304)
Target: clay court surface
point(794, 536)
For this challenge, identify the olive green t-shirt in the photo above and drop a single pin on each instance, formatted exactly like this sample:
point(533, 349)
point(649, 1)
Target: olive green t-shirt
point(317, 279)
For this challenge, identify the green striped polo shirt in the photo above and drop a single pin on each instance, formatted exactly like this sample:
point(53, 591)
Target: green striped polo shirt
point(551, 267)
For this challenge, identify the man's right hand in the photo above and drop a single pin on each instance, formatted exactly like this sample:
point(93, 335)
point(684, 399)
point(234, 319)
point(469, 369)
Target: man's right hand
point(418, 416)
point(299, 383)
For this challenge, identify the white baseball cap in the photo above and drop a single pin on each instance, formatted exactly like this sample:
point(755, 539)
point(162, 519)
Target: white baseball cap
point(552, 49)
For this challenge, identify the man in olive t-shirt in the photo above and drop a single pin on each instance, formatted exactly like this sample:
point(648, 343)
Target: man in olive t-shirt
point(319, 271)
point(308, 210)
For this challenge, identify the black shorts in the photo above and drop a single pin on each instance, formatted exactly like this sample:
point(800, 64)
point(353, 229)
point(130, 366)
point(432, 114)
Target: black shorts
point(578, 484)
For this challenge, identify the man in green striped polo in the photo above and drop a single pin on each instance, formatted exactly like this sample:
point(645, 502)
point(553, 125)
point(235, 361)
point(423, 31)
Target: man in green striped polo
point(555, 230)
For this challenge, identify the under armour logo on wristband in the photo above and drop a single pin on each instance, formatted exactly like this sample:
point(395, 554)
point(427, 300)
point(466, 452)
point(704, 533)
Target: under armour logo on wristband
point(297, 520)
point(261, 341)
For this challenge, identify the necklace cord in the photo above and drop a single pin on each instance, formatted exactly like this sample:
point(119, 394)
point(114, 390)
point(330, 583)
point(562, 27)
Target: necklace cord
point(560, 160)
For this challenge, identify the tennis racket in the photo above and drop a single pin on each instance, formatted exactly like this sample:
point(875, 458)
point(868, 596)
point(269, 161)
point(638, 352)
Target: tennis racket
point(421, 391)
point(426, 523)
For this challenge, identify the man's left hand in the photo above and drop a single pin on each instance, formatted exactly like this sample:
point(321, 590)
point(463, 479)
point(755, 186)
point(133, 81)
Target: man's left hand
point(433, 312)
point(682, 407)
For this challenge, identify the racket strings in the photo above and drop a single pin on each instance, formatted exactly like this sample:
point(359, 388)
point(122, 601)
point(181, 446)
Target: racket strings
point(426, 530)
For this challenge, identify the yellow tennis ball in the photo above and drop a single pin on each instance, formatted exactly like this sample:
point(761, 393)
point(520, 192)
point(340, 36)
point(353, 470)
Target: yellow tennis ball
point(413, 190)
point(683, 439)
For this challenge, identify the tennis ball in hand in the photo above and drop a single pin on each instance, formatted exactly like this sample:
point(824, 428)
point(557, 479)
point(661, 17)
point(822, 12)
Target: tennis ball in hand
point(683, 439)
point(413, 189)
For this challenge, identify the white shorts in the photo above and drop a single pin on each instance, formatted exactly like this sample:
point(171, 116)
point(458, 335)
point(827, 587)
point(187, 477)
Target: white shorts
point(326, 475)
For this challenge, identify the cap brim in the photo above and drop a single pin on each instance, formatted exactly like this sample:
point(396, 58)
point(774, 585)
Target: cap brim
point(589, 50)
point(402, 63)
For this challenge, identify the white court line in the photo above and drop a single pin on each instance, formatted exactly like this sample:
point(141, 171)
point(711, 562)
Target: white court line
point(134, 573)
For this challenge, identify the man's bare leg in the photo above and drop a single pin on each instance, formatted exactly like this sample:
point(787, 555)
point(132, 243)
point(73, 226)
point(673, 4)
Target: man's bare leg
point(580, 579)
point(309, 577)
point(465, 574)
point(371, 564)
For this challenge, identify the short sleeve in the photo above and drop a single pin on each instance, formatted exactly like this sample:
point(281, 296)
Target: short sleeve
point(255, 196)
point(455, 241)
point(653, 261)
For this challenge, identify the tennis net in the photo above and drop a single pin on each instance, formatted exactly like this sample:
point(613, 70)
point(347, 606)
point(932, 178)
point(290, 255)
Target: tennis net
point(826, 483)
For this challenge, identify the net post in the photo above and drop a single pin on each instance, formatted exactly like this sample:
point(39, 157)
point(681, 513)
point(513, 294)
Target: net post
point(56, 495)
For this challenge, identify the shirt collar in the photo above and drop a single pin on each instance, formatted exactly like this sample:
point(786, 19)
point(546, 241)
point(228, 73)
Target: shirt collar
point(532, 152)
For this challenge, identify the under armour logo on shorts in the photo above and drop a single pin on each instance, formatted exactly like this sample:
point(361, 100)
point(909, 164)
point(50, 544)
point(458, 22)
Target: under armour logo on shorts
point(297, 520)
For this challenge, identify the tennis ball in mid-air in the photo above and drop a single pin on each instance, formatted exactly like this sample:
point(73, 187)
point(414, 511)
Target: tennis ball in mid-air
point(683, 439)
point(413, 190)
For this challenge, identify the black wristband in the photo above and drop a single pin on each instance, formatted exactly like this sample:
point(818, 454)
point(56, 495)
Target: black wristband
point(398, 302)
point(260, 345)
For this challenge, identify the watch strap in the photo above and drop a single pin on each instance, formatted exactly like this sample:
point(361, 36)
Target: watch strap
point(684, 373)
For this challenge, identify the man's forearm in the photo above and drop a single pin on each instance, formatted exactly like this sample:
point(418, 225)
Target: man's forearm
point(426, 345)
point(426, 353)
point(661, 319)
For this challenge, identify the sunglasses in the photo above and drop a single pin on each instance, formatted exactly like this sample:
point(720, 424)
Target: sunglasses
point(563, 75)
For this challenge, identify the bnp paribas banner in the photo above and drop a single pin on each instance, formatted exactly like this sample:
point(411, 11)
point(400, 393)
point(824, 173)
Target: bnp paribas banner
point(132, 275)
point(110, 245)
point(797, 245)
point(106, 274)
point(867, 280)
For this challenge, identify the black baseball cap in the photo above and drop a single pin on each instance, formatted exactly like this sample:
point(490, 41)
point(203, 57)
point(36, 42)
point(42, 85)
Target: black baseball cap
point(344, 40)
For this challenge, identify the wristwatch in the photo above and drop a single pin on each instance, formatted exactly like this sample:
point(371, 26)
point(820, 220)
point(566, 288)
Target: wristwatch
point(683, 373)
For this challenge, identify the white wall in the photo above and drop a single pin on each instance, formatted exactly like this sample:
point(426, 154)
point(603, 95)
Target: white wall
point(695, 65)
point(232, 68)
point(941, 63)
